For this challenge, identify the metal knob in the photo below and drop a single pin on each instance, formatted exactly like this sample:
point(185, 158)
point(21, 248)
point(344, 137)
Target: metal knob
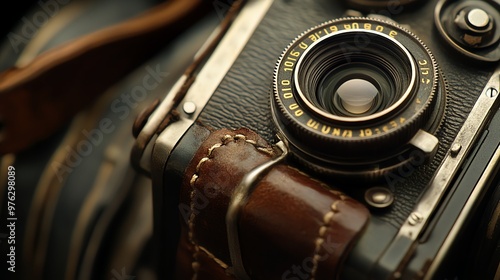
point(478, 19)
point(476, 24)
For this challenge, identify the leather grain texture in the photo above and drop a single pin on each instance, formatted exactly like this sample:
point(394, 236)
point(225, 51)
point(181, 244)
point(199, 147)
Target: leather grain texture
point(290, 219)
point(243, 97)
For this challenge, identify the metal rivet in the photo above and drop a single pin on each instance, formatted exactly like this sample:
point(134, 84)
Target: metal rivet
point(379, 197)
point(455, 149)
point(189, 108)
point(478, 18)
point(415, 218)
point(491, 92)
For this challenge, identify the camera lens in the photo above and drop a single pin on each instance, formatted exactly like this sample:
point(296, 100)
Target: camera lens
point(354, 75)
point(351, 93)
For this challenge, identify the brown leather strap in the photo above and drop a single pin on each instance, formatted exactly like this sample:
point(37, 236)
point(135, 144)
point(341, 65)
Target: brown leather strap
point(292, 225)
point(38, 98)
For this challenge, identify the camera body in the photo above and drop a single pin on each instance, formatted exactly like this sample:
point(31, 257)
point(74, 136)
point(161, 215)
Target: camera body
point(431, 205)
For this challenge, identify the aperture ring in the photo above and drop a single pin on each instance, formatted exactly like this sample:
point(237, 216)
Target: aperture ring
point(336, 137)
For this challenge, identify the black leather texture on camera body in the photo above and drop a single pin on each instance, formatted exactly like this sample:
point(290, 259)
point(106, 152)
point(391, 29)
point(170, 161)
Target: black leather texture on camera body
point(243, 97)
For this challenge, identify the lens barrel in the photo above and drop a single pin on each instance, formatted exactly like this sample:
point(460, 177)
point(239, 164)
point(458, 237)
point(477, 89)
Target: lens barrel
point(354, 67)
point(353, 92)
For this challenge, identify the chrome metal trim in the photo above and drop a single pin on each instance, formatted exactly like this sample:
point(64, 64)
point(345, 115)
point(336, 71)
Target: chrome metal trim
point(205, 84)
point(239, 198)
point(443, 177)
point(471, 201)
point(425, 142)
point(155, 120)
point(474, 123)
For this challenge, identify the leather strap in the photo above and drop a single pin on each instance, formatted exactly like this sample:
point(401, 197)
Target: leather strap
point(292, 225)
point(37, 99)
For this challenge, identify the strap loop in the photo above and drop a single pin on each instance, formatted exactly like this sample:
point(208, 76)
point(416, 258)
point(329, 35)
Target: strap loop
point(239, 198)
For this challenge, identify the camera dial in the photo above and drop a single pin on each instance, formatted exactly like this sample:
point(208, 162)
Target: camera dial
point(471, 27)
point(351, 94)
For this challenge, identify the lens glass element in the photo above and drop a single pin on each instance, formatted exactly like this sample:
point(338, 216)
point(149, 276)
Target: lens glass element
point(355, 76)
point(357, 95)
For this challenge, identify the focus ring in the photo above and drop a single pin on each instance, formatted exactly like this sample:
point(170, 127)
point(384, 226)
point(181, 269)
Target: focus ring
point(339, 46)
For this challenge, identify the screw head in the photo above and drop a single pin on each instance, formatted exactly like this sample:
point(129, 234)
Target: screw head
point(455, 149)
point(189, 107)
point(491, 92)
point(415, 218)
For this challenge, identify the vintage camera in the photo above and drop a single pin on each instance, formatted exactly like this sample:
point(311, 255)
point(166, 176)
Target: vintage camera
point(393, 103)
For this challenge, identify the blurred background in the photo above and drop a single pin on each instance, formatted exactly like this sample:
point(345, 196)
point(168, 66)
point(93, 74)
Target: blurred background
point(81, 211)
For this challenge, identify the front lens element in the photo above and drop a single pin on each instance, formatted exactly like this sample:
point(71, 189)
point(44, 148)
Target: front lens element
point(355, 76)
point(357, 95)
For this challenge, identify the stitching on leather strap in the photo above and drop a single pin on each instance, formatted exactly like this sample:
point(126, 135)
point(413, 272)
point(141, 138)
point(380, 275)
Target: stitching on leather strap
point(214, 258)
point(327, 218)
point(224, 141)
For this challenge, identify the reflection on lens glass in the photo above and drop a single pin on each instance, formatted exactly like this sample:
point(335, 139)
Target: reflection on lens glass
point(357, 95)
